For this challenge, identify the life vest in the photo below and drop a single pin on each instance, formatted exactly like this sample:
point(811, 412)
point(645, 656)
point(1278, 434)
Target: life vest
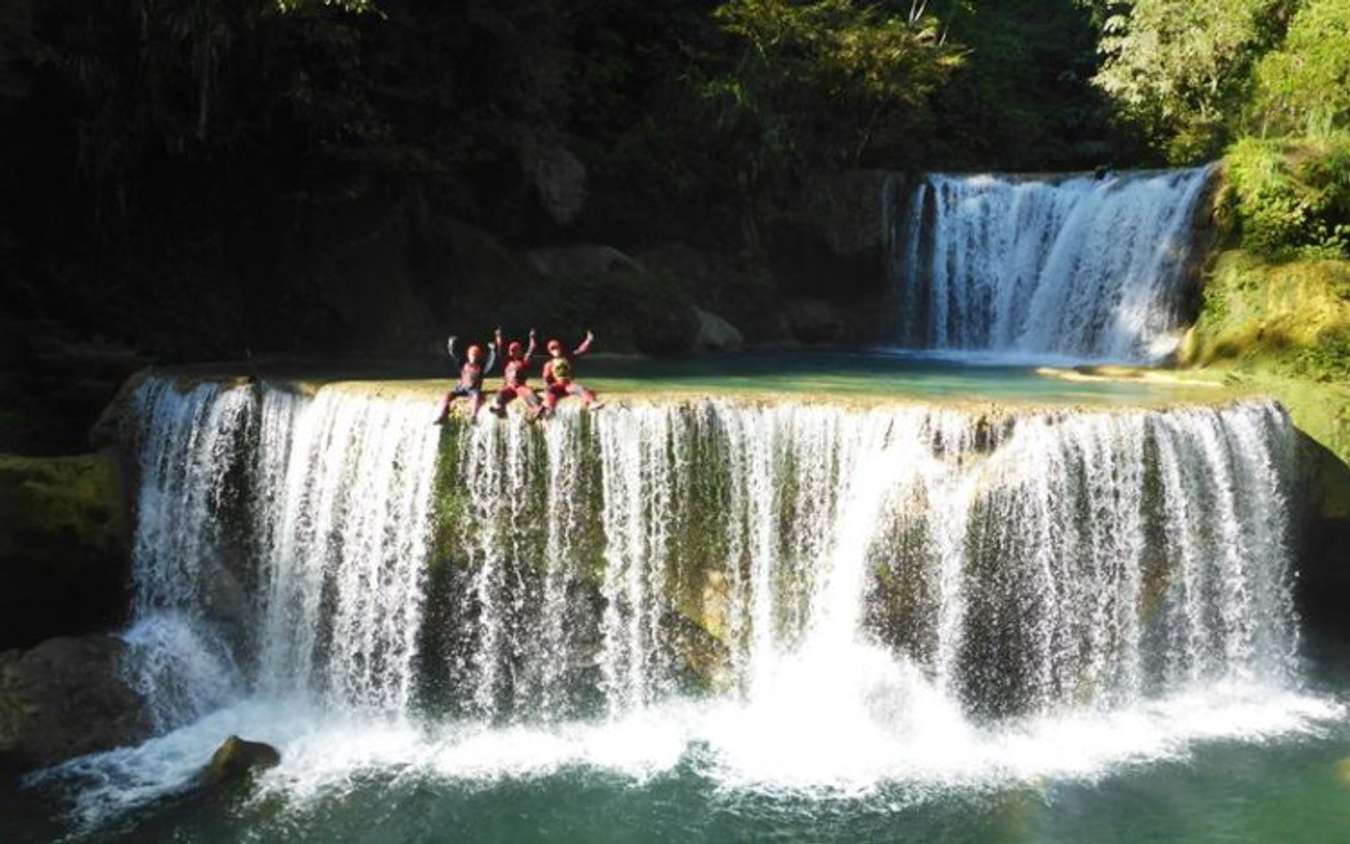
point(515, 373)
point(562, 369)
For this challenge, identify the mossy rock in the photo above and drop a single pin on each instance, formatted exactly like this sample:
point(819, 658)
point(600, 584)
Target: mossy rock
point(1283, 328)
point(238, 760)
point(63, 545)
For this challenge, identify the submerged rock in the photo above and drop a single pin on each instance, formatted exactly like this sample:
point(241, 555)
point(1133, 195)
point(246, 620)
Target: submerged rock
point(237, 759)
point(65, 698)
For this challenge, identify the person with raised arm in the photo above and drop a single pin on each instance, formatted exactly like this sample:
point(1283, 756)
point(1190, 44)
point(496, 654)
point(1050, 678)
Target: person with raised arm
point(558, 376)
point(471, 374)
point(515, 372)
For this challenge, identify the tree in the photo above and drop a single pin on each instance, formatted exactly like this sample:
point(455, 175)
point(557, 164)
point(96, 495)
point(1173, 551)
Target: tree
point(1304, 86)
point(1182, 68)
point(821, 84)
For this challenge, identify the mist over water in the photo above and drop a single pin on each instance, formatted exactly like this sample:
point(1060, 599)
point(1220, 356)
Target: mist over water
point(785, 598)
point(1080, 266)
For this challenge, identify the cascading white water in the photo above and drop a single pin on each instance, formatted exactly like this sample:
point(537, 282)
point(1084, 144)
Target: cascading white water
point(779, 595)
point(342, 584)
point(941, 594)
point(1078, 267)
point(1024, 564)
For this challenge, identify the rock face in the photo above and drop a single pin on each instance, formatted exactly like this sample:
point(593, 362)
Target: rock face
point(63, 546)
point(65, 698)
point(818, 321)
point(832, 243)
point(716, 334)
point(237, 759)
point(583, 259)
point(628, 306)
point(1323, 496)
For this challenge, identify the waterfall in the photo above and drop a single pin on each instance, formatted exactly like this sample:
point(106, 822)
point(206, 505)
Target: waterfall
point(1034, 561)
point(1076, 266)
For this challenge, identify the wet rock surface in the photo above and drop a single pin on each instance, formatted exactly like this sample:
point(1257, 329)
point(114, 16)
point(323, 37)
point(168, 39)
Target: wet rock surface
point(67, 697)
point(237, 760)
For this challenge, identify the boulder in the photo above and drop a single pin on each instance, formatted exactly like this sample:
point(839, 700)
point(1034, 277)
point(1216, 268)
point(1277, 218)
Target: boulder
point(601, 288)
point(716, 334)
point(580, 260)
point(559, 177)
point(237, 760)
point(64, 698)
point(817, 321)
point(63, 546)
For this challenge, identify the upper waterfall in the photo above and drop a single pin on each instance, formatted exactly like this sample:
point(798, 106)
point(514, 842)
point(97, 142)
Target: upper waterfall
point(1078, 266)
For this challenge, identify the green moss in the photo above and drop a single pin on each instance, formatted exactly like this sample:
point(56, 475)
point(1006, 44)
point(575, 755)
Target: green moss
point(62, 546)
point(59, 501)
point(1283, 328)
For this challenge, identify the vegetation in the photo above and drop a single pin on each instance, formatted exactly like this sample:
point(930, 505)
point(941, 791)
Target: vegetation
point(202, 178)
point(209, 179)
point(1289, 199)
point(1276, 308)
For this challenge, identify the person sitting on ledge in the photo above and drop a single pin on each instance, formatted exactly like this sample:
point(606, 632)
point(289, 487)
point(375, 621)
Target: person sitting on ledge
point(471, 375)
point(514, 375)
point(558, 376)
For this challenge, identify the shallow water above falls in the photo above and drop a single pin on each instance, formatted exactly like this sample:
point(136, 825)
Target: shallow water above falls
point(725, 619)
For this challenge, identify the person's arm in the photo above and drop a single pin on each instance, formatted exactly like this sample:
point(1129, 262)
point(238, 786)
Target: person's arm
point(450, 348)
point(585, 345)
point(492, 358)
point(548, 371)
point(529, 350)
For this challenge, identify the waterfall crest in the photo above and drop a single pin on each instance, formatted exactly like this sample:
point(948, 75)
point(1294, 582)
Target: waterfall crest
point(1080, 267)
point(1033, 562)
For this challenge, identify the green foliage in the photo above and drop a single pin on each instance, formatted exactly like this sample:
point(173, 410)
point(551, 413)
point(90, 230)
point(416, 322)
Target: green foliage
point(1288, 199)
point(1304, 86)
point(1181, 69)
point(1328, 361)
point(1023, 99)
point(823, 84)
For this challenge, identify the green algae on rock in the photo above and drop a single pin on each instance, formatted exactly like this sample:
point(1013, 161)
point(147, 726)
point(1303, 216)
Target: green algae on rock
point(63, 545)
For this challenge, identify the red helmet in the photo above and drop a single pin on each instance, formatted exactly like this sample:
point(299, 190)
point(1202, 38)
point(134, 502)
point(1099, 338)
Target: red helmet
point(514, 349)
point(555, 345)
point(475, 351)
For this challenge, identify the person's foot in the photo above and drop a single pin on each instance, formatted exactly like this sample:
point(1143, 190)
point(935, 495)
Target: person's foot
point(499, 412)
point(596, 405)
point(440, 420)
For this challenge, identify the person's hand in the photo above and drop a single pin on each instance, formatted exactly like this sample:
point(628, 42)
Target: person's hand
point(532, 334)
point(590, 337)
point(498, 333)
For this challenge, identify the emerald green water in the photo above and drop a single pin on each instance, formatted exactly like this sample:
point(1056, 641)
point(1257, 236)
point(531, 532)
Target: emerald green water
point(873, 373)
point(848, 374)
point(1285, 791)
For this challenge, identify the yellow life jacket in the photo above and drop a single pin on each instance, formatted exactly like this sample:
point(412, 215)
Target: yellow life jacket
point(562, 369)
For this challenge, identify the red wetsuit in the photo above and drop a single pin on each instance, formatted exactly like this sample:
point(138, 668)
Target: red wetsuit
point(558, 376)
point(514, 375)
